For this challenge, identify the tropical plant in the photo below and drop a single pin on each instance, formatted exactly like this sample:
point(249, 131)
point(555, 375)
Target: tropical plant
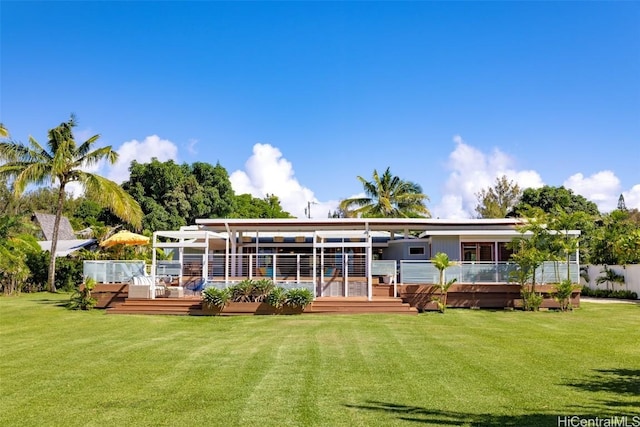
point(387, 196)
point(441, 261)
point(298, 298)
point(214, 298)
point(562, 295)
point(242, 291)
point(81, 298)
point(609, 277)
point(63, 164)
point(276, 298)
point(15, 248)
point(534, 245)
point(261, 289)
point(561, 222)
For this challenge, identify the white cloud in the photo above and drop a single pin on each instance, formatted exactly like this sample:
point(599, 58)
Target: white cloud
point(268, 172)
point(152, 146)
point(632, 197)
point(471, 171)
point(603, 188)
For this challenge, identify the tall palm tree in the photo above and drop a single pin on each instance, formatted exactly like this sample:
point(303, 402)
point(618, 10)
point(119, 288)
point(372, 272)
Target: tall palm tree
point(62, 163)
point(387, 196)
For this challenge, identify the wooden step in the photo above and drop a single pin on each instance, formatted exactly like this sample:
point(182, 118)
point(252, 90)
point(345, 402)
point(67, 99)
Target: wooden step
point(325, 305)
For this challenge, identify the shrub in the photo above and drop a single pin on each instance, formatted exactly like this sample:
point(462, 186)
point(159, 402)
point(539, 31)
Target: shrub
point(242, 291)
point(298, 297)
point(216, 298)
point(608, 293)
point(261, 289)
point(276, 298)
point(563, 293)
point(531, 301)
point(81, 298)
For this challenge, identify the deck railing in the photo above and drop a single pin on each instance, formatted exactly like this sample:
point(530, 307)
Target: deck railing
point(415, 272)
point(285, 267)
point(112, 271)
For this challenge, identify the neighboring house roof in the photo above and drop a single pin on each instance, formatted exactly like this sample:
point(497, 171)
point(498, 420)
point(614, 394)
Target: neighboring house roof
point(46, 223)
point(65, 247)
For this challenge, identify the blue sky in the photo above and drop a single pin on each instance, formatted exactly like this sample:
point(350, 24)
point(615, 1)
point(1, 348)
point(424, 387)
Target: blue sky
point(298, 98)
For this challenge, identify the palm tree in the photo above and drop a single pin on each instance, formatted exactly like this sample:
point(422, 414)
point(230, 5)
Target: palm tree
point(63, 163)
point(387, 196)
point(441, 261)
point(3, 131)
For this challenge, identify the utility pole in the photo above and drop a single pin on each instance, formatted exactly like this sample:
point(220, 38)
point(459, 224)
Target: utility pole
point(307, 210)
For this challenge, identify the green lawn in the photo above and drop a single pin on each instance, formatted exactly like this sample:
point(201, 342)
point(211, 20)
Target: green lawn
point(465, 367)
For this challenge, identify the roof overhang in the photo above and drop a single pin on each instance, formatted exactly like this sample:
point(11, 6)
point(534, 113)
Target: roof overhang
point(372, 224)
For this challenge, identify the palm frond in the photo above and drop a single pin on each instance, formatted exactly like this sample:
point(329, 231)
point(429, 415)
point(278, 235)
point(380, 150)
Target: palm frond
point(109, 194)
point(95, 156)
point(39, 153)
point(85, 147)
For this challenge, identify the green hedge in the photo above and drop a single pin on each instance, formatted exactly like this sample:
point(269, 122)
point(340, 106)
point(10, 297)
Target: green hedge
point(608, 293)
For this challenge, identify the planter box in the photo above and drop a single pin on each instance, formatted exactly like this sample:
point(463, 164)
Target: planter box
point(278, 239)
point(249, 308)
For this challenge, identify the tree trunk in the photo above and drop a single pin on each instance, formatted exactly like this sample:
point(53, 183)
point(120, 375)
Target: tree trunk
point(54, 241)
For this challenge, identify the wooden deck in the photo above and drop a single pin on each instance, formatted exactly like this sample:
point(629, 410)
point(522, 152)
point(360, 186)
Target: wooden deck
point(326, 305)
point(410, 300)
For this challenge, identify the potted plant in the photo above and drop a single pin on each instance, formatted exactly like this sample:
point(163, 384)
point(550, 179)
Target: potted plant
point(214, 300)
point(296, 300)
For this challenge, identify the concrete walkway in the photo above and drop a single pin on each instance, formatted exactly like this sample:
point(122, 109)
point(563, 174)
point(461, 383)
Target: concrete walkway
point(609, 300)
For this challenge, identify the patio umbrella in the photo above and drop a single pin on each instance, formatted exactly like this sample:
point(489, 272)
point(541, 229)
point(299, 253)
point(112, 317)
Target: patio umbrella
point(125, 237)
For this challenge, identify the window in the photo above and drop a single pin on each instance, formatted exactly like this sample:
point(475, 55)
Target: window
point(504, 253)
point(416, 250)
point(477, 251)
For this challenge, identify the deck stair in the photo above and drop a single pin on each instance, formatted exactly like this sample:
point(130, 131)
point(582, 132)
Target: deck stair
point(323, 305)
point(178, 306)
point(341, 305)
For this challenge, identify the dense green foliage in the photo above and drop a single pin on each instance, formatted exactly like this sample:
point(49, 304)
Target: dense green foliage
point(608, 293)
point(247, 206)
point(173, 195)
point(16, 246)
point(387, 196)
point(616, 240)
point(470, 367)
point(549, 198)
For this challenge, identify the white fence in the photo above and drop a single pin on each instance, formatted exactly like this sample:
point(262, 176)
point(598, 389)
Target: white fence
point(631, 275)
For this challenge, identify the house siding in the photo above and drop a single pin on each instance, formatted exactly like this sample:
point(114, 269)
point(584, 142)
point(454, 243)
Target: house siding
point(450, 245)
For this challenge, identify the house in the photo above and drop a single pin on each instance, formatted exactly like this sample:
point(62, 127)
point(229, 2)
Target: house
point(353, 257)
point(67, 241)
